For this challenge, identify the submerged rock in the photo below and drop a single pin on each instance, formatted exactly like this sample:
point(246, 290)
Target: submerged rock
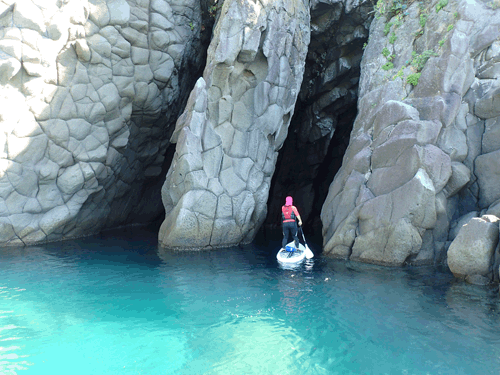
point(477, 279)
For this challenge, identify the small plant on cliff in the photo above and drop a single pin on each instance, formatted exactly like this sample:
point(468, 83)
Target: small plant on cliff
point(386, 52)
point(419, 61)
point(393, 38)
point(396, 7)
point(495, 4)
point(441, 42)
point(387, 28)
point(399, 20)
point(412, 79)
point(399, 74)
point(391, 8)
point(388, 66)
point(380, 8)
point(423, 20)
point(441, 5)
point(449, 28)
point(212, 7)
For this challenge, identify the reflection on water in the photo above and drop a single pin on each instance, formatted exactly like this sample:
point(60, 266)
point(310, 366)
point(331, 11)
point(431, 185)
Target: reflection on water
point(116, 305)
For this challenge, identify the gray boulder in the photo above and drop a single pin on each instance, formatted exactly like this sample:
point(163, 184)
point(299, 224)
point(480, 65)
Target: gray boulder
point(459, 223)
point(471, 252)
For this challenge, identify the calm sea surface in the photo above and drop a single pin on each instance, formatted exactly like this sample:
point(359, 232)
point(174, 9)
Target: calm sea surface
point(114, 304)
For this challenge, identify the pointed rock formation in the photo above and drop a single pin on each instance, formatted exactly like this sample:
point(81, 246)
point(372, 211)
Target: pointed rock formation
point(235, 122)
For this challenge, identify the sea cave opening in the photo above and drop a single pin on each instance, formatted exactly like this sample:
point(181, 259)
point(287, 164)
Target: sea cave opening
point(325, 111)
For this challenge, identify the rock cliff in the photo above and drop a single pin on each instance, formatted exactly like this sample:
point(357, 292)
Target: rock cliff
point(398, 105)
point(422, 149)
point(236, 120)
point(87, 91)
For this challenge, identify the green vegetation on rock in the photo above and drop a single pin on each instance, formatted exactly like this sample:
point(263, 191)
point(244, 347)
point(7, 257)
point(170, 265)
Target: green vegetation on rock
point(441, 5)
point(387, 28)
point(394, 12)
point(388, 66)
point(412, 79)
point(495, 4)
point(391, 8)
point(423, 20)
point(393, 38)
point(399, 74)
point(419, 61)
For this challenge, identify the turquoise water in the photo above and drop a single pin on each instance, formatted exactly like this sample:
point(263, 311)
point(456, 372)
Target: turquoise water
point(115, 305)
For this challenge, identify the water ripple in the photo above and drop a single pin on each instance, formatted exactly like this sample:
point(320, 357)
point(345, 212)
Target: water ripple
point(100, 306)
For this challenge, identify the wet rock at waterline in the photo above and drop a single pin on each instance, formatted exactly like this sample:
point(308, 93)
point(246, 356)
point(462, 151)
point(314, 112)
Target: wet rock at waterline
point(422, 152)
point(236, 120)
point(471, 254)
point(87, 92)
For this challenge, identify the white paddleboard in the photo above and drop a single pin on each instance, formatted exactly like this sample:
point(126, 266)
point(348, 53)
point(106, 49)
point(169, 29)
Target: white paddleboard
point(296, 256)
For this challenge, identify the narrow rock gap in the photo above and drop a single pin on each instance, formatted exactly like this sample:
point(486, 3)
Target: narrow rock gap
point(319, 132)
point(307, 184)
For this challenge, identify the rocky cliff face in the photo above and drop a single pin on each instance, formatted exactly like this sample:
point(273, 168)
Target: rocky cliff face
point(422, 149)
point(88, 89)
point(235, 122)
point(90, 92)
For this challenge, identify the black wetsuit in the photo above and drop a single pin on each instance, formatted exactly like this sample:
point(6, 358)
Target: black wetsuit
point(290, 229)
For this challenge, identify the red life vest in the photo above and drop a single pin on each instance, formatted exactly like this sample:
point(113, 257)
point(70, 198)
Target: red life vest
point(288, 213)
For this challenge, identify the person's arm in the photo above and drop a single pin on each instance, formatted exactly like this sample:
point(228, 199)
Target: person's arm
point(298, 216)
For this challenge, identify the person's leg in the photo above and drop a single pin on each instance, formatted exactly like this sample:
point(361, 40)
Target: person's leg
point(283, 243)
point(287, 233)
point(295, 236)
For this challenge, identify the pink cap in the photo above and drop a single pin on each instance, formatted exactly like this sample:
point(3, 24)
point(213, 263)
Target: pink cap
point(288, 201)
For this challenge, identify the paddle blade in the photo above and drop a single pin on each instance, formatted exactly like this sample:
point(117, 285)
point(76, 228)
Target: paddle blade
point(309, 253)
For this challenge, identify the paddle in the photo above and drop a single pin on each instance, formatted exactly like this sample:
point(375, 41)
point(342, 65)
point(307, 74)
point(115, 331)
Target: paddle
point(309, 253)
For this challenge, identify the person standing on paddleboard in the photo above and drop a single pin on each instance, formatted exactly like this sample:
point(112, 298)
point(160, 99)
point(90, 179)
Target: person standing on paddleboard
point(288, 215)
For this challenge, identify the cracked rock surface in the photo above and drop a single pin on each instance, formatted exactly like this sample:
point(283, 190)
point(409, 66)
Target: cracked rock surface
point(87, 91)
point(235, 122)
point(419, 158)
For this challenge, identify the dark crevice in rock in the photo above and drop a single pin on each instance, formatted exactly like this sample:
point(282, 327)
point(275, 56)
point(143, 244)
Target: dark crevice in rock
point(151, 208)
point(324, 115)
point(331, 164)
point(148, 206)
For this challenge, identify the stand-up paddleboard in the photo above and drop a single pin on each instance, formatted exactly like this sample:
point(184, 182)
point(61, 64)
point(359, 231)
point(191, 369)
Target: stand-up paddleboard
point(292, 256)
